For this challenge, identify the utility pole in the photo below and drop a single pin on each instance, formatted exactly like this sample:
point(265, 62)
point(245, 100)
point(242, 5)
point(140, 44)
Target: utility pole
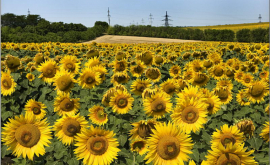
point(28, 12)
point(109, 16)
point(167, 20)
point(150, 19)
point(142, 21)
point(260, 18)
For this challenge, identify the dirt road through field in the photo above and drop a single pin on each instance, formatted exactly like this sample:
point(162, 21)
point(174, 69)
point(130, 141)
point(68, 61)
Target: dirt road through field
point(133, 39)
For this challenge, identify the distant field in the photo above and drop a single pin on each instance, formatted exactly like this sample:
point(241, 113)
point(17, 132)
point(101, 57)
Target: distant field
point(235, 27)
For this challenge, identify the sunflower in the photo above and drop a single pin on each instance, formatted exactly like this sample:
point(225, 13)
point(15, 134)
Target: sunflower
point(224, 94)
point(265, 132)
point(138, 69)
point(213, 102)
point(64, 81)
point(239, 76)
point(267, 109)
point(36, 108)
point(168, 145)
point(96, 146)
point(231, 154)
point(148, 92)
point(139, 146)
point(98, 115)
point(225, 83)
point(182, 84)
point(13, 63)
point(138, 86)
point(92, 62)
point(197, 65)
point(199, 79)
point(217, 71)
point(120, 66)
point(264, 74)
point(49, 69)
point(159, 60)
point(191, 162)
point(188, 75)
point(121, 102)
point(146, 57)
point(207, 63)
point(170, 86)
point(257, 91)
point(119, 78)
point(175, 70)
point(107, 97)
point(189, 92)
point(39, 58)
point(246, 126)
point(153, 74)
point(89, 78)
point(26, 136)
point(70, 64)
point(64, 105)
point(190, 114)
point(142, 129)
point(242, 98)
point(30, 76)
point(157, 105)
point(247, 79)
point(102, 70)
point(120, 55)
point(92, 54)
point(68, 126)
point(227, 135)
point(7, 84)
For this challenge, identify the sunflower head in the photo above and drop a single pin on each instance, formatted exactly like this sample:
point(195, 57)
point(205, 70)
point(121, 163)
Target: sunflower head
point(120, 66)
point(138, 69)
point(39, 58)
point(92, 53)
point(170, 86)
point(186, 55)
point(64, 105)
point(265, 132)
point(70, 64)
point(7, 84)
point(89, 78)
point(12, 63)
point(153, 74)
point(138, 86)
point(98, 115)
point(120, 55)
point(64, 81)
point(207, 63)
point(146, 58)
point(175, 70)
point(49, 69)
point(257, 90)
point(139, 146)
point(200, 79)
point(121, 102)
point(120, 77)
point(246, 126)
point(159, 60)
point(223, 94)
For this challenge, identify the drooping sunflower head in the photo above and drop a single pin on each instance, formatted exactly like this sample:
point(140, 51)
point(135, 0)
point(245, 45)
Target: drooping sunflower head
point(157, 105)
point(239, 76)
point(92, 53)
point(138, 86)
point(190, 114)
point(36, 108)
point(168, 144)
point(242, 98)
point(70, 64)
point(48, 70)
point(96, 145)
point(63, 104)
point(142, 129)
point(148, 92)
point(139, 146)
point(67, 127)
point(213, 103)
point(12, 62)
point(159, 60)
point(188, 75)
point(120, 66)
point(121, 102)
point(26, 136)
point(197, 66)
point(7, 84)
point(200, 79)
point(186, 55)
point(224, 94)
point(207, 63)
point(227, 135)
point(98, 115)
point(138, 69)
point(89, 78)
point(170, 86)
point(246, 126)
point(175, 70)
point(107, 96)
point(64, 81)
point(146, 57)
point(119, 78)
point(229, 72)
point(217, 72)
point(120, 55)
point(153, 74)
point(257, 90)
point(225, 83)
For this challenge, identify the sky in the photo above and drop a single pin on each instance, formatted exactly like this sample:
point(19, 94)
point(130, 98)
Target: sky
point(128, 12)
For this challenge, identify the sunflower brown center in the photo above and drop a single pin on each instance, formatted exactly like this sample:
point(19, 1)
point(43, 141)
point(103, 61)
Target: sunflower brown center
point(70, 66)
point(210, 103)
point(49, 71)
point(89, 80)
point(199, 78)
point(175, 71)
point(6, 83)
point(158, 105)
point(197, 68)
point(122, 102)
point(36, 109)
point(27, 135)
point(168, 147)
point(120, 66)
point(218, 72)
point(169, 88)
point(229, 73)
point(137, 146)
point(229, 159)
point(257, 90)
point(138, 69)
point(120, 78)
point(190, 114)
point(67, 105)
point(71, 127)
point(188, 76)
point(223, 94)
point(247, 80)
point(140, 87)
point(226, 139)
point(97, 145)
point(100, 114)
point(144, 130)
point(64, 82)
point(152, 74)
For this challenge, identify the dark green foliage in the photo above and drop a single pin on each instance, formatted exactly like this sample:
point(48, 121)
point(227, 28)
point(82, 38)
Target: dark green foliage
point(243, 35)
point(259, 35)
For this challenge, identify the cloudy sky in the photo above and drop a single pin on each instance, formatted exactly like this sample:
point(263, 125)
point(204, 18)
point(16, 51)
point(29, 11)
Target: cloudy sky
point(127, 12)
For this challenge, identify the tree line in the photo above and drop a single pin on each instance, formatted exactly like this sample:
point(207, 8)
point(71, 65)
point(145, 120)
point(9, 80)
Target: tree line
point(33, 28)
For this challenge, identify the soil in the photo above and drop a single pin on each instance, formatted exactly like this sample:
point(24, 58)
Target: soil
point(133, 39)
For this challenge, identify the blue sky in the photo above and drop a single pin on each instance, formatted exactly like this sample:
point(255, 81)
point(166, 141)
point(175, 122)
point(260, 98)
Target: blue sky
point(127, 12)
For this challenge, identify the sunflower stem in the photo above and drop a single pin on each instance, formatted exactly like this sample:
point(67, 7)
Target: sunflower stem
point(71, 150)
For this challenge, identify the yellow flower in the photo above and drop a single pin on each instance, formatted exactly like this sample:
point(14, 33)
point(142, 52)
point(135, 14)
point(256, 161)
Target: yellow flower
point(170, 87)
point(36, 108)
point(12, 63)
point(97, 115)
point(265, 132)
point(138, 69)
point(7, 84)
point(139, 146)
point(64, 105)
point(64, 81)
point(121, 102)
point(168, 145)
point(96, 146)
point(30, 76)
point(153, 74)
point(49, 69)
point(200, 79)
point(142, 129)
point(175, 70)
point(70, 64)
point(89, 78)
point(26, 136)
point(119, 78)
point(257, 91)
point(138, 86)
point(67, 127)
point(242, 98)
point(223, 94)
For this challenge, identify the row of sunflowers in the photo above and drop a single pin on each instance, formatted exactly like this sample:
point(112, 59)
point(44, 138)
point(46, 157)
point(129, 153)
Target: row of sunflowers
point(99, 103)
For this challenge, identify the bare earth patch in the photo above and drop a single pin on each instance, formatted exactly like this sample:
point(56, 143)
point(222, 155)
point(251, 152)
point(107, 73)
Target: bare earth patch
point(133, 39)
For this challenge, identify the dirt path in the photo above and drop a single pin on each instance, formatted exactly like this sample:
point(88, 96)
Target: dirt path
point(133, 39)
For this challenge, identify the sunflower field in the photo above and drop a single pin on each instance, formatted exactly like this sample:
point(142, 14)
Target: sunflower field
point(134, 104)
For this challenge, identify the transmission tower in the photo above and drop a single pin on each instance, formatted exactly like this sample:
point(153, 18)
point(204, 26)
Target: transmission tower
point(142, 21)
point(28, 12)
point(260, 18)
point(109, 16)
point(150, 19)
point(167, 20)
